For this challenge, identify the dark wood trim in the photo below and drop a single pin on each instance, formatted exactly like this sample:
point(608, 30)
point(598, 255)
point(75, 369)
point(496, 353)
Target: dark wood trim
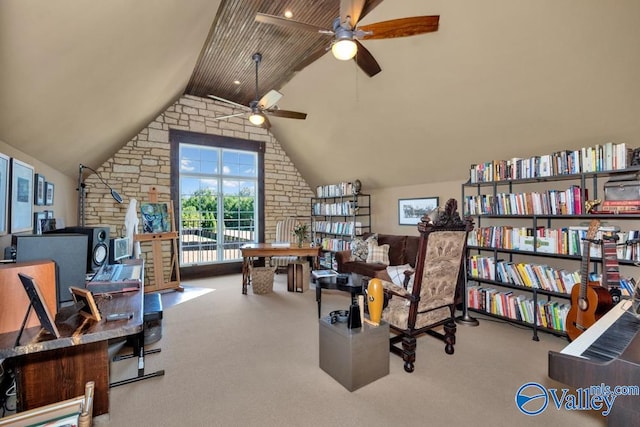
point(196, 138)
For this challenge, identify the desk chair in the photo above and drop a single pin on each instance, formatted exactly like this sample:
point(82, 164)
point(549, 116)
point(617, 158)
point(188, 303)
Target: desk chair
point(284, 233)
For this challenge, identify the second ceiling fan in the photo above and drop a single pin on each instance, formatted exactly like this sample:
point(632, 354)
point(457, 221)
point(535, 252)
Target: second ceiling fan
point(347, 33)
point(260, 108)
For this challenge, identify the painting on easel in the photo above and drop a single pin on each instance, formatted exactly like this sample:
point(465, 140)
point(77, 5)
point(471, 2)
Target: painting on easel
point(155, 218)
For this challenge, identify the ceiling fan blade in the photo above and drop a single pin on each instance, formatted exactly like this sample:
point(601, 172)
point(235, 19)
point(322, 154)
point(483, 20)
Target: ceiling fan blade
point(350, 11)
point(269, 100)
point(283, 22)
point(286, 114)
point(228, 116)
point(402, 27)
point(217, 98)
point(366, 61)
point(266, 124)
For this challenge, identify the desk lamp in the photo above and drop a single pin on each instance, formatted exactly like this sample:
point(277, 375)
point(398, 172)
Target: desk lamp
point(81, 192)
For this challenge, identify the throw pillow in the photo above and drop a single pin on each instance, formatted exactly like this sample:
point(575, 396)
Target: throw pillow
point(377, 254)
point(359, 247)
point(396, 272)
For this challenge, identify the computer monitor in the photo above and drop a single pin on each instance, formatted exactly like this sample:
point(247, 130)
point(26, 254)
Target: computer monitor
point(119, 249)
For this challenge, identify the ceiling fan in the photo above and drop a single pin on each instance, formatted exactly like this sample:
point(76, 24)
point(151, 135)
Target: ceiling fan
point(260, 108)
point(345, 44)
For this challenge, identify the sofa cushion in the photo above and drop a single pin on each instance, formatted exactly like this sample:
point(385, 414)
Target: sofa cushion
point(411, 250)
point(359, 247)
point(367, 270)
point(378, 254)
point(396, 247)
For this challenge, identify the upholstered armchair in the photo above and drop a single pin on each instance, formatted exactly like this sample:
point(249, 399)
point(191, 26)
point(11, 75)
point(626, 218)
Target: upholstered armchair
point(428, 305)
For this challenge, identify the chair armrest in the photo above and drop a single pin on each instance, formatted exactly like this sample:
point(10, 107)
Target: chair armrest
point(393, 289)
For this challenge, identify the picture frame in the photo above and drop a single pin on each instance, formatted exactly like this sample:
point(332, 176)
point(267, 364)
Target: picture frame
point(410, 211)
point(155, 217)
point(4, 193)
point(38, 217)
point(21, 207)
point(47, 321)
point(39, 190)
point(49, 189)
point(90, 309)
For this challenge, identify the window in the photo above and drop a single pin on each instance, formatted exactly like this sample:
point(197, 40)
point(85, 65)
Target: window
point(219, 201)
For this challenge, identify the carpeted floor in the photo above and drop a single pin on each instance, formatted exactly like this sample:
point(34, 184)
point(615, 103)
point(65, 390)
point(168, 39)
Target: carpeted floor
point(244, 360)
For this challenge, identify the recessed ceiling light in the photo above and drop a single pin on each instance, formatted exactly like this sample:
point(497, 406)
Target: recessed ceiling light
point(236, 82)
point(288, 14)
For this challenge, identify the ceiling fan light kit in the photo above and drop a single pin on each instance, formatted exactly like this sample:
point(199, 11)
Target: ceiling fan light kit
point(256, 119)
point(344, 49)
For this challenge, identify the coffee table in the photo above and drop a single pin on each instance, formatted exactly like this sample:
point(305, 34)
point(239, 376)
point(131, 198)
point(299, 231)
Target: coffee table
point(331, 283)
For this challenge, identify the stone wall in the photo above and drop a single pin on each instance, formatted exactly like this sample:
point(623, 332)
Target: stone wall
point(143, 163)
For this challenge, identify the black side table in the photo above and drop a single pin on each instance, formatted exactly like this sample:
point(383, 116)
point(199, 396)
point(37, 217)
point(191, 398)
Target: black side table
point(331, 283)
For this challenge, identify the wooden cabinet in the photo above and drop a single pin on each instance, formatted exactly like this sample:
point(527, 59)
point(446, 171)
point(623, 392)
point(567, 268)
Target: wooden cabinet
point(535, 226)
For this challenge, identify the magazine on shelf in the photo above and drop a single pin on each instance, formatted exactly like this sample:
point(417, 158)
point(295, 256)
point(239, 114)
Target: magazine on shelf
point(318, 274)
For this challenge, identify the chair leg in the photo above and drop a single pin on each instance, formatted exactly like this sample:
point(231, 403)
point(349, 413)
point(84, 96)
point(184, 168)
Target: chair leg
point(409, 352)
point(449, 336)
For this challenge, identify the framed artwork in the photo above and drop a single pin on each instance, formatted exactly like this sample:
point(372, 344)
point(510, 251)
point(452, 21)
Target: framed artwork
point(155, 217)
point(4, 193)
point(48, 195)
point(37, 221)
point(411, 210)
point(39, 190)
point(21, 208)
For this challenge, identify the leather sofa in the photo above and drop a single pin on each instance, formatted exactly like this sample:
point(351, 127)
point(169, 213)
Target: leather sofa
point(402, 250)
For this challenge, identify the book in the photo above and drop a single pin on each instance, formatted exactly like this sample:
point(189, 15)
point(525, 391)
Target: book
point(318, 274)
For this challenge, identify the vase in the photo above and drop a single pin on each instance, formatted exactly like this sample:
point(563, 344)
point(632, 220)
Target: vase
point(300, 240)
point(375, 299)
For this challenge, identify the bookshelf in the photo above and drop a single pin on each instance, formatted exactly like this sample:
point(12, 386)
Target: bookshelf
point(337, 216)
point(524, 255)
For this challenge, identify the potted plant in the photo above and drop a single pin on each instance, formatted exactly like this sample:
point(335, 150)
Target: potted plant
point(301, 231)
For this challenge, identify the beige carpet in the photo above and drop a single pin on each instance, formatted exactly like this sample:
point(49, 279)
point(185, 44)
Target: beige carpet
point(245, 360)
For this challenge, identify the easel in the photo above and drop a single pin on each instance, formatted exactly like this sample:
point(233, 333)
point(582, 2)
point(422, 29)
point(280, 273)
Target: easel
point(156, 240)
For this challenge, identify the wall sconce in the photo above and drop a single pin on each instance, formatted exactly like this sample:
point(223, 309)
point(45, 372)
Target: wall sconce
point(82, 189)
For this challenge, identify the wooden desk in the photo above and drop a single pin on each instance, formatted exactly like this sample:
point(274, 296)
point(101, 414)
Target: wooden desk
point(265, 250)
point(51, 370)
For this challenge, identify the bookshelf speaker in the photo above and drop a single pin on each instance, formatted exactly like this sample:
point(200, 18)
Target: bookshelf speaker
point(98, 244)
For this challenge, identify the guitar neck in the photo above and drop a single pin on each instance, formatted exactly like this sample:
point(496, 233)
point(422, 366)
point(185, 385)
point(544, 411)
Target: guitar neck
point(584, 267)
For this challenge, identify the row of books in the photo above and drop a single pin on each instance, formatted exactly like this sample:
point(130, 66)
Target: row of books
point(340, 227)
point(548, 314)
point(335, 190)
point(335, 245)
point(601, 157)
point(563, 241)
point(550, 202)
point(340, 208)
point(327, 260)
point(523, 274)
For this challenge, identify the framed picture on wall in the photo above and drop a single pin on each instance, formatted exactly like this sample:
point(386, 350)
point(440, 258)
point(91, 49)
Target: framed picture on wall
point(21, 209)
point(48, 195)
point(38, 217)
point(39, 190)
point(4, 193)
point(411, 210)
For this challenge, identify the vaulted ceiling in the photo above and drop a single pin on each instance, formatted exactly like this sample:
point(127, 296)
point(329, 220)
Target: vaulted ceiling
point(499, 79)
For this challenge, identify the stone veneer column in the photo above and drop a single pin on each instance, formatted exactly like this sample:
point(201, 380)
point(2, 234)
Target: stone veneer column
point(144, 162)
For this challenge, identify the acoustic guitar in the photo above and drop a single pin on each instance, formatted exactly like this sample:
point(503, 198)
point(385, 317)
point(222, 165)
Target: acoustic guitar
point(589, 301)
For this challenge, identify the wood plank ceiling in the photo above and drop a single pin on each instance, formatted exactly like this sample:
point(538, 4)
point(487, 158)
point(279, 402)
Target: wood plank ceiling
point(236, 36)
